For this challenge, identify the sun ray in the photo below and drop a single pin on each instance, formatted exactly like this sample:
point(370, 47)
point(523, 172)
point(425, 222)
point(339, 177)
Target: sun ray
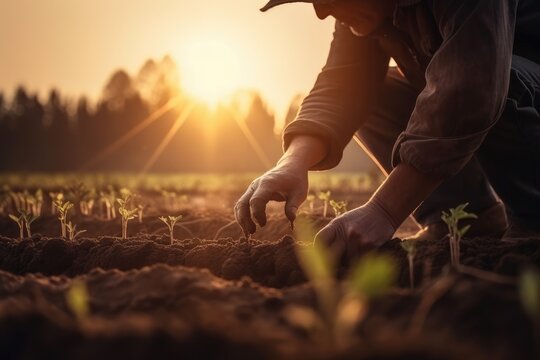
point(156, 115)
point(252, 140)
point(182, 117)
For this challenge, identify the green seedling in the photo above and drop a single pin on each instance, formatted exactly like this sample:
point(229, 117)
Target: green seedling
point(170, 221)
point(27, 202)
point(78, 299)
point(29, 218)
point(140, 210)
point(55, 197)
point(126, 213)
point(72, 231)
point(529, 291)
point(87, 206)
point(173, 200)
point(20, 221)
point(455, 233)
point(339, 207)
point(325, 197)
point(342, 305)
point(141, 205)
point(410, 248)
point(63, 209)
point(107, 199)
point(311, 202)
point(38, 207)
point(24, 220)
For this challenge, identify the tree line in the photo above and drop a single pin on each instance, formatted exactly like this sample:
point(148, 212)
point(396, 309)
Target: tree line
point(131, 121)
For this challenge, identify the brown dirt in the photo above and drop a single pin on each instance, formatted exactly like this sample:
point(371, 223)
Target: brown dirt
point(226, 298)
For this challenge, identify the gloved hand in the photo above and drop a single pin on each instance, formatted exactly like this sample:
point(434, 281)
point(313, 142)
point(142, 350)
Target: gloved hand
point(287, 181)
point(357, 231)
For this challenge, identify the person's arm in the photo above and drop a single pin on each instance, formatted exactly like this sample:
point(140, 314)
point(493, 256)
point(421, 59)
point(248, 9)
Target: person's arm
point(467, 82)
point(304, 151)
point(343, 95)
point(341, 98)
point(403, 191)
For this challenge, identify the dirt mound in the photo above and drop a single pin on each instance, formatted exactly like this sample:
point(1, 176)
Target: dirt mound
point(162, 311)
point(432, 257)
point(271, 264)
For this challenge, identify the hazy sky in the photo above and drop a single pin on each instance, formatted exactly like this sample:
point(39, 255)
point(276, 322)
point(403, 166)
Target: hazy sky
point(76, 44)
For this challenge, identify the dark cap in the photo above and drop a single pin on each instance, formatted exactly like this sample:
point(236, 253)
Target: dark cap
point(273, 3)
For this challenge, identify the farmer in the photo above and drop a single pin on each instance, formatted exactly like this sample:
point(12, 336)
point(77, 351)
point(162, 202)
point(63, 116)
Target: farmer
point(457, 121)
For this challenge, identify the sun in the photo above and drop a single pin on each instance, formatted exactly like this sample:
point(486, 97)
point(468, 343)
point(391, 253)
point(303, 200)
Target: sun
point(211, 69)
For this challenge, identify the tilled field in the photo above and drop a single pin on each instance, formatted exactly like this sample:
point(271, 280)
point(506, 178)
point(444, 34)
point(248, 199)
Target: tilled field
point(212, 294)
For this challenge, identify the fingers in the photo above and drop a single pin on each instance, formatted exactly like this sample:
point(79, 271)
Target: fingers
point(330, 238)
point(242, 212)
point(258, 202)
point(292, 205)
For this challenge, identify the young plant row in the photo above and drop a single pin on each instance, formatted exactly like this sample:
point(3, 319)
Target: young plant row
point(126, 210)
point(86, 201)
point(339, 207)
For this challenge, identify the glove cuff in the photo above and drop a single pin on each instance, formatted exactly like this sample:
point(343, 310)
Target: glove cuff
point(382, 209)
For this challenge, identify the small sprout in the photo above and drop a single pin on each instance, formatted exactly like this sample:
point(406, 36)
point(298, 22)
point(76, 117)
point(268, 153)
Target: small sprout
point(140, 210)
point(170, 221)
point(311, 201)
point(410, 248)
point(320, 267)
point(72, 231)
point(63, 208)
point(20, 221)
point(78, 299)
point(126, 213)
point(339, 207)
point(455, 233)
point(325, 197)
point(372, 276)
point(24, 220)
point(341, 307)
point(55, 196)
point(28, 220)
point(529, 291)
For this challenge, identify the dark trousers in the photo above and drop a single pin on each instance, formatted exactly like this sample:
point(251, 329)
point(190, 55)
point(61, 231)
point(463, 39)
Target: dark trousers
point(507, 165)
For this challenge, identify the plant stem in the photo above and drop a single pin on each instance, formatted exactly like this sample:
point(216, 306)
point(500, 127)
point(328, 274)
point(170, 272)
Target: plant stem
point(124, 229)
point(28, 230)
point(171, 233)
point(325, 209)
point(410, 257)
point(21, 231)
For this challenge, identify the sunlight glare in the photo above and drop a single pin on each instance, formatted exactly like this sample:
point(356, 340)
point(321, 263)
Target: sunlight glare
point(211, 69)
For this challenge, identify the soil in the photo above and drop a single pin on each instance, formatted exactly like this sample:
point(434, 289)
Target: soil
point(226, 297)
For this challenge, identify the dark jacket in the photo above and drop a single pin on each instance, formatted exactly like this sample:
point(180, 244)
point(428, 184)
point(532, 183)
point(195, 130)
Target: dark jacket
point(458, 53)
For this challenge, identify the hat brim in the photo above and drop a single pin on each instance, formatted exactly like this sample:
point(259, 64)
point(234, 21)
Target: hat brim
point(273, 3)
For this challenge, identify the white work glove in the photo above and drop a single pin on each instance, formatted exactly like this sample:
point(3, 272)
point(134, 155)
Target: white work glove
point(357, 231)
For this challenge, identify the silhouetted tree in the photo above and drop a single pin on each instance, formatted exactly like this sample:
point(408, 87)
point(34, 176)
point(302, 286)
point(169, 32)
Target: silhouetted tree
point(49, 137)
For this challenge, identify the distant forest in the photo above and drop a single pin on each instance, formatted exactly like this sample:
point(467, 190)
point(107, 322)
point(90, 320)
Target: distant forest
point(131, 128)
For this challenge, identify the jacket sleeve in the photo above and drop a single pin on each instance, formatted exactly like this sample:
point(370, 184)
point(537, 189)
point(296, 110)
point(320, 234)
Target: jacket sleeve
point(343, 94)
point(466, 86)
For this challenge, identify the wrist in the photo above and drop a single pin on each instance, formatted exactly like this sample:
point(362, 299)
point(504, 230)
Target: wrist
point(403, 191)
point(304, 151)
point(380, 208)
